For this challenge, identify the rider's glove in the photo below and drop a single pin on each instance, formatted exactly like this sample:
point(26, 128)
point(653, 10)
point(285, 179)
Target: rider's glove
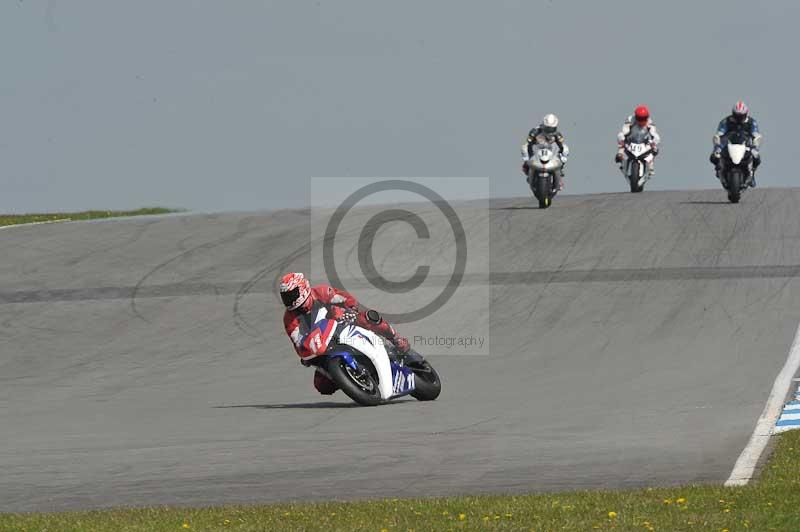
point(349, 316)
point(305, 362)
point(714, 158)
point(618, 158)
point(654, 147)
point(755, 154)
point(525, 168)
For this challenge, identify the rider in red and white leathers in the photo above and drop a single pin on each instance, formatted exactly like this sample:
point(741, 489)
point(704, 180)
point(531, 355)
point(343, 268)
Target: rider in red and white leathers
point(303, 303)
point(639, 122)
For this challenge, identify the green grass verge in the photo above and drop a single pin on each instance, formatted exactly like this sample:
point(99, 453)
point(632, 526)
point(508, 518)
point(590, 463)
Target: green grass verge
point(15, 219)
point(771, 503)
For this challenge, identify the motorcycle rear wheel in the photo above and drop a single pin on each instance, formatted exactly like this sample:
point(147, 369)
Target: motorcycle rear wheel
point(427, 384)
point(358, 384)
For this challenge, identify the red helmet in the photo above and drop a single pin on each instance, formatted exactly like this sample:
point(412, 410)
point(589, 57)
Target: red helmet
point(740, 111)
point(295, 290)
point(642, 114)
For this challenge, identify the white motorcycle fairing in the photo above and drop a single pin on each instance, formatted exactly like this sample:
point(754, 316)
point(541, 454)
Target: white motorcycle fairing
point(372, 346)
point(736, 152)
point(393, 380)
point(545, 160)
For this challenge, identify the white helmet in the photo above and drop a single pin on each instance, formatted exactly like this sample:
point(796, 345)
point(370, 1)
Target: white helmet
point(549, 123)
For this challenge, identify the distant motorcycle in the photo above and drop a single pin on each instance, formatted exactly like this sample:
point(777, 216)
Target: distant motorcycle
point(639, 156)
point(736, 170)
point(542, 168)
point(357, 360)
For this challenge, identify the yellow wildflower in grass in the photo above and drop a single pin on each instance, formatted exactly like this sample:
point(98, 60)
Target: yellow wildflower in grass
point(485, 517)
point(226, 522)
point(461, 517)
point(186, 525)
point(612, 515)
point(667, 501)
point(727, 510)
point(680, 500)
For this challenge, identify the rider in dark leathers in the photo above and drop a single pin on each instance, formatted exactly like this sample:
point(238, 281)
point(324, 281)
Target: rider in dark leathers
point(739, 119)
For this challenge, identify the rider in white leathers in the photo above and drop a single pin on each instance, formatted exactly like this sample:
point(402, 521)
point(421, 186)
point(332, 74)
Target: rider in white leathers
point(640, 120)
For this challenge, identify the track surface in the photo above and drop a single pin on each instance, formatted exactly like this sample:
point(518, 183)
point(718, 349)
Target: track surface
point(634, 340)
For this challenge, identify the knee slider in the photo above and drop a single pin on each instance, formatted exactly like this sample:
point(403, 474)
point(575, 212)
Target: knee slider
point(373, 316)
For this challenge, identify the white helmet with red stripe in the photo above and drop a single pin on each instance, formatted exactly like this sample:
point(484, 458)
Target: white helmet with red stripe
point(295, 290)
point(740, 111)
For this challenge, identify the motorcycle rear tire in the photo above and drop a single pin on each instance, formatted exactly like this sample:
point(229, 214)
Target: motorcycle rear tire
point(339, 374)
point(735, 185)
point(427, 384)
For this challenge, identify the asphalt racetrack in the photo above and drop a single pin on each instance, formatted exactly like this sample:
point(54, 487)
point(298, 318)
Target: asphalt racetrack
point(634, 341)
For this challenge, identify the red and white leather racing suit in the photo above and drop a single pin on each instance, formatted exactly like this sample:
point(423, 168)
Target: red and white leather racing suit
point(300, 322)
point(649, 131)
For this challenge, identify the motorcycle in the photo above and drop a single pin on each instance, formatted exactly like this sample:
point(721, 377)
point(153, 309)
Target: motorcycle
point(541, 173)
point(639, 156)
point(736, 170)
point(356, 359)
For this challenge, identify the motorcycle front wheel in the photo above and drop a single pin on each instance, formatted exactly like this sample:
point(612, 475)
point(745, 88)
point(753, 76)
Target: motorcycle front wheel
point(735, 185)
point(543, 189)
point(357, 383)
point(633, 177)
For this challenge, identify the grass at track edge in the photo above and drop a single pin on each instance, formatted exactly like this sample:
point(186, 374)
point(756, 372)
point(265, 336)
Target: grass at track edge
point(16, 219)
point(769, 503)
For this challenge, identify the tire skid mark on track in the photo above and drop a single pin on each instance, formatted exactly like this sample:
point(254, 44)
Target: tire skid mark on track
point(240, 231)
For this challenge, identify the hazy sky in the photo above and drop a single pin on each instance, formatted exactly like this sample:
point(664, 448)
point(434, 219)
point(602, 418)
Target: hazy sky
point(223, 105)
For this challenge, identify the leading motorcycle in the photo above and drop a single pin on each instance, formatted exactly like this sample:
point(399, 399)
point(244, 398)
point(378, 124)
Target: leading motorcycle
point(357, 360)
point(541, 173)
point(736, 165)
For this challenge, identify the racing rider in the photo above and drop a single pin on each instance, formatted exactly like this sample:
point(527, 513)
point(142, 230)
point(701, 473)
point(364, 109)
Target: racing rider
point(302, 305)
point(639, 125)
point(739, 119)
point(546, 133)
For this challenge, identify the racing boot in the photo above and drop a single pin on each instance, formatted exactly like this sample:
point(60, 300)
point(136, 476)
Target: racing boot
point(756, 163)
point(558, 186)
point(401, 344)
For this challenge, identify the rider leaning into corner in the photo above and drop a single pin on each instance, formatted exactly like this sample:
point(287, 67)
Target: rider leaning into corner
point(639, 125)
point(302, 305)
point(739, 119)
point(546, 133)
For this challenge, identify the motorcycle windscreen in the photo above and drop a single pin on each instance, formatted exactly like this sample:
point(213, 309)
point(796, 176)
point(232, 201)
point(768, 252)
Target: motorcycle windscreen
point(736, 152)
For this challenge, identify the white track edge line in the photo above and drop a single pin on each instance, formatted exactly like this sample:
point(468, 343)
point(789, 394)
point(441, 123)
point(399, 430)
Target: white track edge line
point(28, 224)
point(746, 463)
